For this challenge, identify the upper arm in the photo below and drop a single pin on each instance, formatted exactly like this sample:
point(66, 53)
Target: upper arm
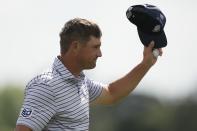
point(99, 93)
point(22, 128)
point(105, 97)
point(37, 109)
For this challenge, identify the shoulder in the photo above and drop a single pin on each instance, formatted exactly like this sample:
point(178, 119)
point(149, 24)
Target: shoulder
point(39, 91)
point(41, 82)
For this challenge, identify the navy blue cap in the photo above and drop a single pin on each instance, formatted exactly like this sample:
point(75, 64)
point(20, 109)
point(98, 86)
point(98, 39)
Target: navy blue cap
point(150, 22)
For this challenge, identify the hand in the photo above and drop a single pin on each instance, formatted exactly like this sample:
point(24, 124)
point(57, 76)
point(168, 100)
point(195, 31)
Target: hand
point(148, 57)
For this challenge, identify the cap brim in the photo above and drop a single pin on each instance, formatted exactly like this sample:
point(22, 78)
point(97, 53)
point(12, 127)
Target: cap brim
point(159, 39)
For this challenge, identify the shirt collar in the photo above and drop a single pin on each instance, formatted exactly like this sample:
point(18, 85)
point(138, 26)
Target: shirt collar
point(59, 67)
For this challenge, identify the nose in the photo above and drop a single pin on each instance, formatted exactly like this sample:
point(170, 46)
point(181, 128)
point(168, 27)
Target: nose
point(99, 53)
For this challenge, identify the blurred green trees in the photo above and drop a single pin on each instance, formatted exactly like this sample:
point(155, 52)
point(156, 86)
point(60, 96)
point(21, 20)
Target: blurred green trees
point(135, 113)
point(145, 113)
point(10, 101)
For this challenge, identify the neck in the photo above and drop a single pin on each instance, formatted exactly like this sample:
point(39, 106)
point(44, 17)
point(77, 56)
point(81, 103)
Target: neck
point(70, 63)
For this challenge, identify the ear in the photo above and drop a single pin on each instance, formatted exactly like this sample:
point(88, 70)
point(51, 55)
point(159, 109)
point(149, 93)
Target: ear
point(75, 46)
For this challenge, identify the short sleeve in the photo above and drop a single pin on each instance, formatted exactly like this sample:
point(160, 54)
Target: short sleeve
point(94, 88)
point(38, 107)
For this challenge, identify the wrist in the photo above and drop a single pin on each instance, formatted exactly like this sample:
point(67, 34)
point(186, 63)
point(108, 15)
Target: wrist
point(146, 64)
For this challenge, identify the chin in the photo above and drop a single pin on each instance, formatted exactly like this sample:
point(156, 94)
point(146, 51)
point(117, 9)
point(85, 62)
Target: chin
point(92, 66)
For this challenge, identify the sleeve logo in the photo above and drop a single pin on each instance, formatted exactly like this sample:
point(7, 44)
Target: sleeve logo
point(26, 112)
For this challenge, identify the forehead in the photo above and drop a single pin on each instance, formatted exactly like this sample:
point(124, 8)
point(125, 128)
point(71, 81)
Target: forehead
point(94, 41)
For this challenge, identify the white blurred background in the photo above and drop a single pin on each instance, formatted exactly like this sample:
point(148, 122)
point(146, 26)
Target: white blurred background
point(29, 39)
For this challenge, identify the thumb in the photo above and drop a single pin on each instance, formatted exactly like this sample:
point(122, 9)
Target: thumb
point(151, 45)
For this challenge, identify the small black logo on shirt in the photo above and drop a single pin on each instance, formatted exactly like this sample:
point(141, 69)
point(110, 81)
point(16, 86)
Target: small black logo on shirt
point(26, 112)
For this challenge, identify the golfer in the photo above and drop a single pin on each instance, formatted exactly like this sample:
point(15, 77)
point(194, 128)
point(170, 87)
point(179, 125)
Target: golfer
point(59, 99)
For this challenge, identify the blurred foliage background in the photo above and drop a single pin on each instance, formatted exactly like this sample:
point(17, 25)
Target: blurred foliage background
point(136, 112)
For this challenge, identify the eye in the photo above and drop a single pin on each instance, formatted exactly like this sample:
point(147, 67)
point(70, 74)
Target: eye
point(96, 47)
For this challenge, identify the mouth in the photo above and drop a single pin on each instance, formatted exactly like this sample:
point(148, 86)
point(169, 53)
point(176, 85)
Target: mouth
point(96, 58)
point(94, 61)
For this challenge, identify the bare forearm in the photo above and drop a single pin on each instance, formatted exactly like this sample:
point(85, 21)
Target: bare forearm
point(122, 87)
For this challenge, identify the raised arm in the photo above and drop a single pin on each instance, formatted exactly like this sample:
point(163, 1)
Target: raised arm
point(120, 88)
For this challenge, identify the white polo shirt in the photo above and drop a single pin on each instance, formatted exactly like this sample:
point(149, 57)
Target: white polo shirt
point(58, 101)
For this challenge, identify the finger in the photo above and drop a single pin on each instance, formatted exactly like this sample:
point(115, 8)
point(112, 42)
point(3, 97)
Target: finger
point(160, 51)
point(151, 45)
point(155, 53)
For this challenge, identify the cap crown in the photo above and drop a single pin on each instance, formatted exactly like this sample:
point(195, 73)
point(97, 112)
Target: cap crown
point(147, 18)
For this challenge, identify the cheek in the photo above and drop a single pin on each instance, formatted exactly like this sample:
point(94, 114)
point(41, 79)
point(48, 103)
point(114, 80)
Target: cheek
point(85, 56)
point(88, 54)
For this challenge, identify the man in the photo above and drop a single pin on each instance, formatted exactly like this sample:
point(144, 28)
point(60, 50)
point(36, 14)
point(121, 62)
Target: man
point(59, 99)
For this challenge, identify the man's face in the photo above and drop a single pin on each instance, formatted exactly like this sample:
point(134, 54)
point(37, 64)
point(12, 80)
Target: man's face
point(89, 52)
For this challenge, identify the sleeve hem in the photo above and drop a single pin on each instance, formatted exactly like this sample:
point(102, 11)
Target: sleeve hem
point(27, 125)
point(92, 100)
